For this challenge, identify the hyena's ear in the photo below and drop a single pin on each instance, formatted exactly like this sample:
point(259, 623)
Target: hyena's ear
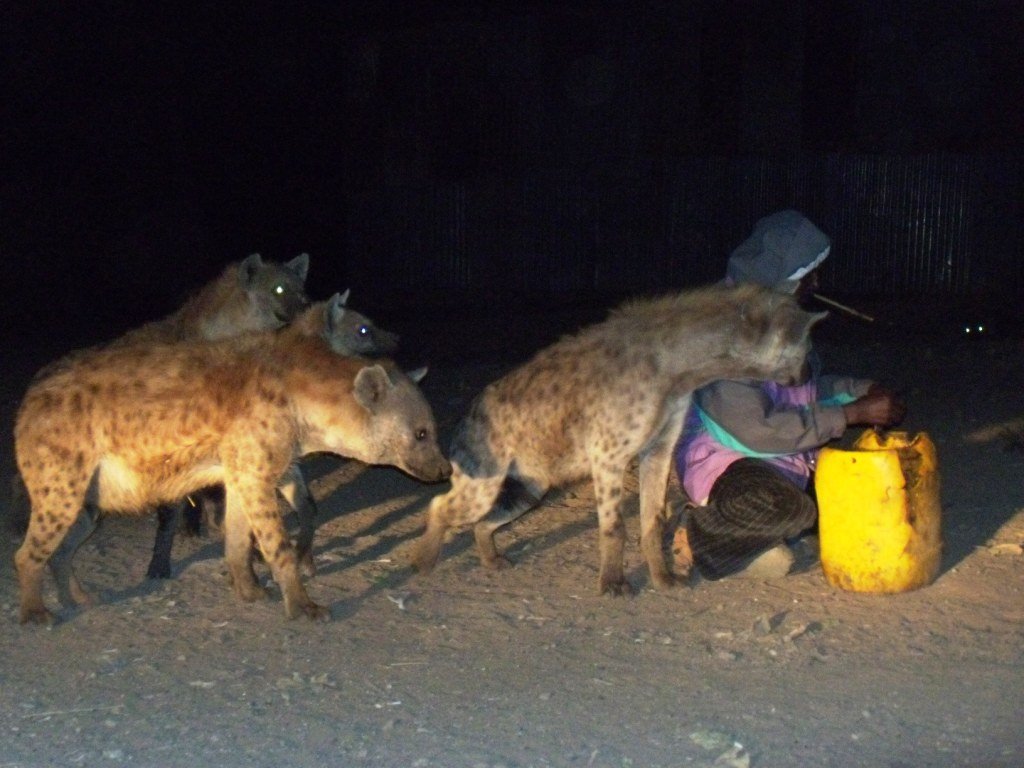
point(758, 319)
point(791, 326)
point(343, 298)
point(418, 374)
point(299, 265)
point(333, 312)
point(802, 324)
point(371, 386)
point(249, 268)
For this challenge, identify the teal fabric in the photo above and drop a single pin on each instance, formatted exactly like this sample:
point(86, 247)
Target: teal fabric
point(721, 436)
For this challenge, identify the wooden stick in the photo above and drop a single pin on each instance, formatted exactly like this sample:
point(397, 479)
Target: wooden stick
point(843, 307)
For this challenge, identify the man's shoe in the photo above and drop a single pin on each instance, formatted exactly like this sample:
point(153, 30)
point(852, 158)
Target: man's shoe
point(773, 564)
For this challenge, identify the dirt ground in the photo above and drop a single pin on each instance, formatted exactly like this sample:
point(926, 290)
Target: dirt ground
point(529, 666)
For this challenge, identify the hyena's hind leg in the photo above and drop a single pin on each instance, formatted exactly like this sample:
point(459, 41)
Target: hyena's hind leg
point(168, 518)
point(654, 467)
point(56, 503)
point(187, 516)
point(517, 497)
point(252, 509)
point(296, 492)
point(469, 499)
point(70, 591)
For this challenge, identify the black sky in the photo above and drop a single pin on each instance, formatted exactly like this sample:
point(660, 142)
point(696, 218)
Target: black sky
point(146, 144)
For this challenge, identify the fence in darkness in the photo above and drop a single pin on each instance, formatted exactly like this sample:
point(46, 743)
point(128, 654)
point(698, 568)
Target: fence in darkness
point(947, 226)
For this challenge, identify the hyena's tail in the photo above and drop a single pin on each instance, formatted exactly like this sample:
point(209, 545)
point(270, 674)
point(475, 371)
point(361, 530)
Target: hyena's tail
point(1011, 432)
point(470, 445)
point(18, 506)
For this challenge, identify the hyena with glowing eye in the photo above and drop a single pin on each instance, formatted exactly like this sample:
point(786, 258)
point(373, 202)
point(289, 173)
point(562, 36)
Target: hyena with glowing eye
point(348, 333)
point(250, 295)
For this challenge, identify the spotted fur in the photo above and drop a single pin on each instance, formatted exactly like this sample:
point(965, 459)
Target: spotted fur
point(131, 426)
point(592, 402)
point(346, 332)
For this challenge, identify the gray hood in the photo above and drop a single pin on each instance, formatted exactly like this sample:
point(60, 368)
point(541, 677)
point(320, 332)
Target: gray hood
point(783, 248)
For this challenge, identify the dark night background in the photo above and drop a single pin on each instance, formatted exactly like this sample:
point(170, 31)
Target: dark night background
point(146, 145)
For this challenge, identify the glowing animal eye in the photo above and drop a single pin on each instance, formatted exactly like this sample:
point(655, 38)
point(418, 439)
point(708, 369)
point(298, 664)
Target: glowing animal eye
point(421, 434)
point(363, 330)
point(279, 289)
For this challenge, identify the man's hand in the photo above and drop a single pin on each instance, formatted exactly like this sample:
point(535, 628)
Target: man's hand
point(880, 407)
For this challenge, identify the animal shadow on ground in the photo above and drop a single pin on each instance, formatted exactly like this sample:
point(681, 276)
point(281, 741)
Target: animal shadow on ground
point(367, 518)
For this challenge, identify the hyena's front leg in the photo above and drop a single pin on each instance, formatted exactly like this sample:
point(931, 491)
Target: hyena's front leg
point(608, 475)
point(655, 465)
point(611, 529)
point(238, 552)
point(467, 502)
point(264, 520)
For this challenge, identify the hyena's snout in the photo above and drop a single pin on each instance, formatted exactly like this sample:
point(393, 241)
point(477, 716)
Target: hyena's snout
point(387, 341)
point(430, 469)
point(794, 375)
point(438, 471)
point(791, 370)
point(801, 372)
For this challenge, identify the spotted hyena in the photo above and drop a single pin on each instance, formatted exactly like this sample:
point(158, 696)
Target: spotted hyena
point(250, 295)
point(592, 402)
point(130, 426)
point(345, 331)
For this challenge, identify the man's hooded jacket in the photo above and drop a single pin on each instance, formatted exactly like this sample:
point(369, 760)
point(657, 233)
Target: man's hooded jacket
point(784, 426)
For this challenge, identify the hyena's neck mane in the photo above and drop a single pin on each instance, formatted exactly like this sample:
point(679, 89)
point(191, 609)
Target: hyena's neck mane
point(320, 387)
point(309, 323)
point(219, 310)
point(694, 331)
point(666, 317)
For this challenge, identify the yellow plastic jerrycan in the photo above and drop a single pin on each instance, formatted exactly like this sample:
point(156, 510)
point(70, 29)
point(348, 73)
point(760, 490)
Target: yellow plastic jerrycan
point(879, 513)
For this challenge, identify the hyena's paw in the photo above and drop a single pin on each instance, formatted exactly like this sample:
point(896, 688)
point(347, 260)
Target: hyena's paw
point(253, 594)
point(158, 570)
point(38, 615)
point(309, 609)
point(496, 562)
point(84, 598)
point(426, 552)
point(247, 589)
point(489, 555)
point(615, 586)
point(316, 612)
point(422, 562)
point(666, 580)
point(81, 595)
point(307, 567)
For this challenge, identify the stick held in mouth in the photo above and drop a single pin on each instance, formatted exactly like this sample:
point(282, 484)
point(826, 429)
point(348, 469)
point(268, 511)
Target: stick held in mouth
point(843, 307)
